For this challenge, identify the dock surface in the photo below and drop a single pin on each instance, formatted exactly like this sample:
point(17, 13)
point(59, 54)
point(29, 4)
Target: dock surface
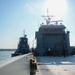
point(56, 65)
point(47, 65)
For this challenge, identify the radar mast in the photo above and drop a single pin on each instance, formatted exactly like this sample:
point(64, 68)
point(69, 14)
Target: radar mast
point(47, 17)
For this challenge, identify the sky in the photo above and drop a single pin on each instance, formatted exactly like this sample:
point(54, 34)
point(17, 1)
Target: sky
point(17, 15)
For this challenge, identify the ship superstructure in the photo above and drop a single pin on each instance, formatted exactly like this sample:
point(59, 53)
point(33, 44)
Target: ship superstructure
point(53, 37)
point(23, 47)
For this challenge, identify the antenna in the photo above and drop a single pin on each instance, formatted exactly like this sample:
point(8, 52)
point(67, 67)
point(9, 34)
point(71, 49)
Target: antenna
point(47, 12)
point(38, 23)
point(24, 33)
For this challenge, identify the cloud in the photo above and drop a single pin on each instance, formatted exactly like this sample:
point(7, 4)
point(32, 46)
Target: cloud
point(31, 8)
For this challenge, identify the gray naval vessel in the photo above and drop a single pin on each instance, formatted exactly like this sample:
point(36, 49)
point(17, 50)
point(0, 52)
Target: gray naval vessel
point(23, 47)
point(52, 38)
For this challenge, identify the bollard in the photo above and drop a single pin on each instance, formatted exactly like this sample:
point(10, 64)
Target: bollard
point(33, 65)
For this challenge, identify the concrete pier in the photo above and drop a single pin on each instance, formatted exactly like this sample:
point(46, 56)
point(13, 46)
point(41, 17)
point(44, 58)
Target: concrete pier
point(47, 65)
point(18, 65)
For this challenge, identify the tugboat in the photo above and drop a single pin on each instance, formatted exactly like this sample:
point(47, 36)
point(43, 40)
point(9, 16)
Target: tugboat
point(23, 47)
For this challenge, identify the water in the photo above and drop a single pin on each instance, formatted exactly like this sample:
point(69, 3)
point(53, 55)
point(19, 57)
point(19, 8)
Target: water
point(5, 55)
